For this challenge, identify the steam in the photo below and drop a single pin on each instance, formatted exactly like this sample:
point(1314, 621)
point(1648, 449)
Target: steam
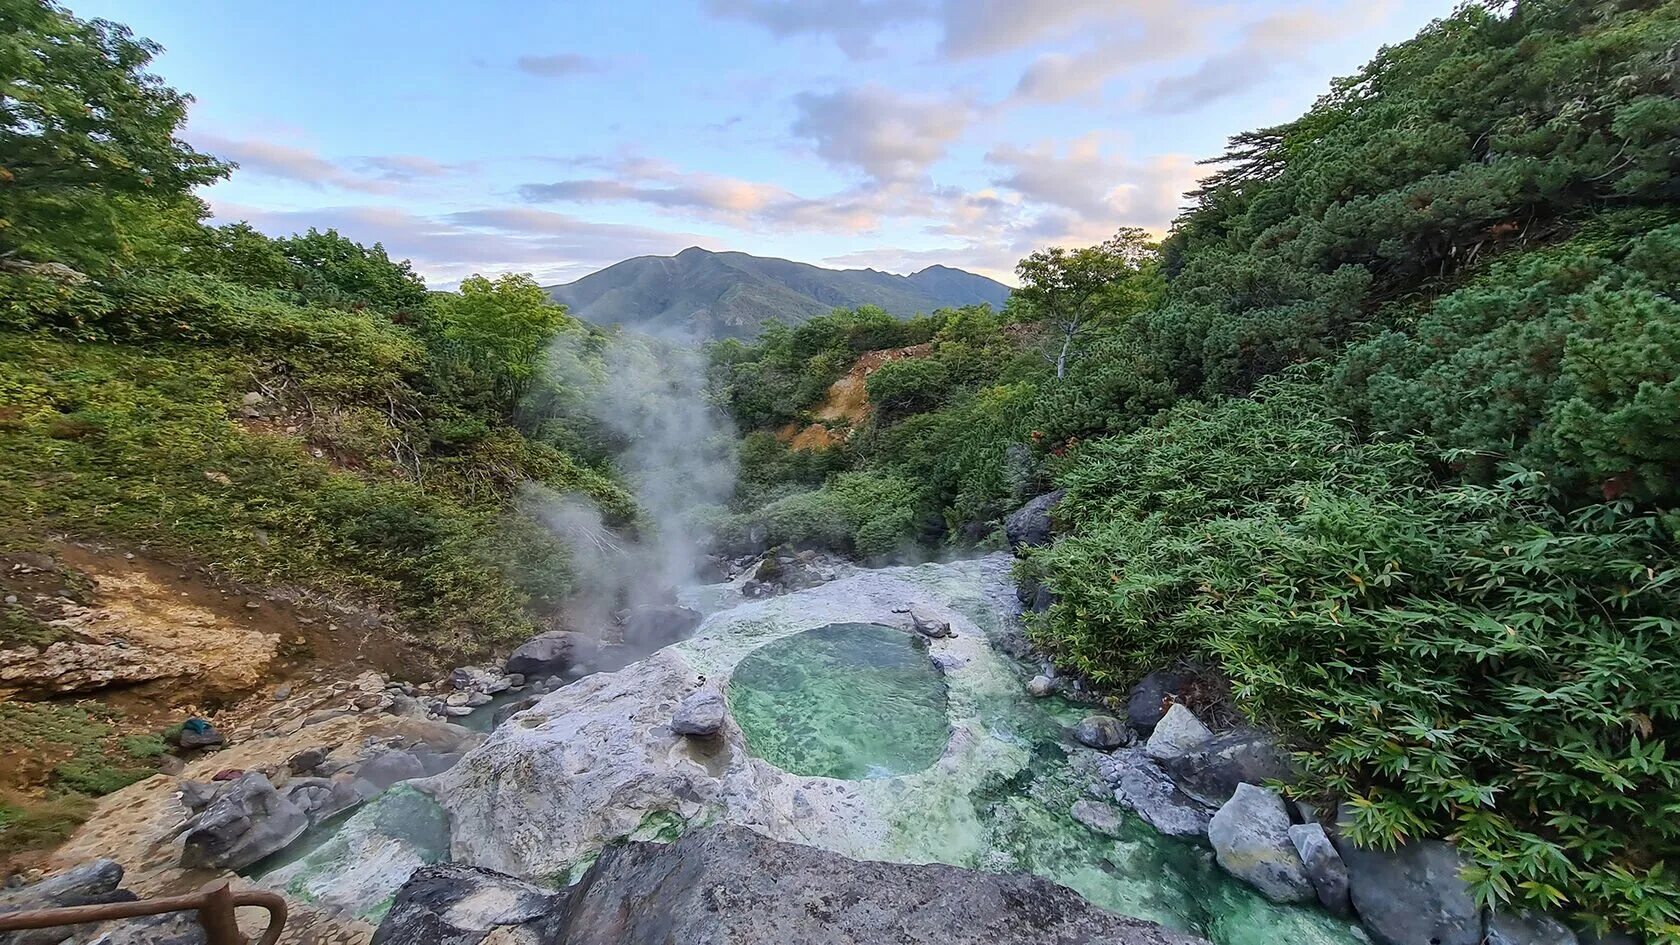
point(646, 398)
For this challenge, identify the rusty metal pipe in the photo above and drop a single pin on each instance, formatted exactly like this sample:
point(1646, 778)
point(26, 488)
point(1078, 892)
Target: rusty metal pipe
point(214, 905)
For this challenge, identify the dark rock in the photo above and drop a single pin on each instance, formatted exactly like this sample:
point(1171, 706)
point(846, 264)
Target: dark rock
point(1029, 526)
point(1042, 599)
point(507, 711)
point(1148, 791)
point(382, 769)
point(197, 795)
point(1212, 772)
point(1150, 698)
point(307, 760)
point(729, 884)
point(1412, 895)
point(1102, 732)
point(320, 798)
point(248, 822)
point(546, 654)
point(84, 885)
point(1324, 866)
point(197, 733)
point(1527, 928)
point(175, 928)
point(437, 762)
point(700, 714)
point(1250, 838)
point(649, 628)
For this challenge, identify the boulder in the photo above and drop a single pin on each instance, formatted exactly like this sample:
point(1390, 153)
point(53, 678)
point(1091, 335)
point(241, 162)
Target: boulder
point(248, 822)
point(1029, 526)
point(1527, 928)
point(1250, 838)
point(648, 628)
point(197, 795)
point(699, 714)
point(382, 769)
point(546, 654)
point(1412, 894)
point(1324, 866)
point(307, 760)
point(1147, 790)
point(1212, 772)
point(1177, 734)
point(730, 884)
point(1148, 701)
point(927, 623)
point(1102, 732)
point(1102, 818)
point(197, 733)
point(477, 679)
point(508, 710)
point(320, 798)
point(84, 885)
point(1040, 686)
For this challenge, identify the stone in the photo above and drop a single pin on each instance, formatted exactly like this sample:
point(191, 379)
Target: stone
point(456, 698)
point(508, 710)
point(1527, 928)
point(457, 711)
point(1177, 734)
point(66, 668)
point(927, 623)
point(252, 398)
point(701, 714)
point(248, 822)
point(730, 884)
point(1030, 526)
point(478, 679)
point(197, 795)
point(1250, 838)
point(382, 769)
point(88, 884)
point(1040, 686)
point(282, 692)
point(1324, 867)
point(1212, 772)
point(546, 654)
point(1149, 792)
point(648, 628)
point(1413, 894)
point(306, 761)
point(476, 699)
point(1147, 702)
point(320, 798)
point(1102, 818)
point(197, 733)
point(1102, 732)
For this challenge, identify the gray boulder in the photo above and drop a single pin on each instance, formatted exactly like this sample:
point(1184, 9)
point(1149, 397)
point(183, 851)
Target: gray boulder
point(245, 824)
point(1102, 732)
point(1324, 866)
point(509, 710)
point(1147, 702)
point(1177, 734)
point(320, 798)
point(382, 769)
point(701, 714)
point(1040, 686)
point(730, 884)
point(546, 654)
point(1147, 790)
point(1102, 818)
point(1527, 928)
point(84, 885)
point(1250, 838)
point(648, 628)
point(1413, 894)
point(1212, 772)
point(927, 623)
point(1029, 526)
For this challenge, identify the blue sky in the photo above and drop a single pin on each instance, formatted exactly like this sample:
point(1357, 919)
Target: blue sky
point(559, 138)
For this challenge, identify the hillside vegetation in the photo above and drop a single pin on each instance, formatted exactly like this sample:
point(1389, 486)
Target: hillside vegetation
point(1387, 432)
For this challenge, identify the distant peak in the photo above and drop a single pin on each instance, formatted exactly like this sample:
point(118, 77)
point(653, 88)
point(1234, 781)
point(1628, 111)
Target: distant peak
point(695, 251)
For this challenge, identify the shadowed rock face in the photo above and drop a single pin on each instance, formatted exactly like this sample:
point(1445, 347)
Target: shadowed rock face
point(729, 884)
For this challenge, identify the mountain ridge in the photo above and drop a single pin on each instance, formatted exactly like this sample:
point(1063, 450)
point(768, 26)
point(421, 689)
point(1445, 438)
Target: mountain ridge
point(702, 293)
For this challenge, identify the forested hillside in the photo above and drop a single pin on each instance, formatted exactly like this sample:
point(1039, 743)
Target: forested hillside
point(1386, 432)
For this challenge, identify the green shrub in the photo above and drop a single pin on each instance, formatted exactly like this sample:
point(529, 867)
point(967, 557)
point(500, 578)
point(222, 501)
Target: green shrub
point(908, 385)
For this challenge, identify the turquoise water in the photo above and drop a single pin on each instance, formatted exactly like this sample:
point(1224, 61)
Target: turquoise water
point(853, 701)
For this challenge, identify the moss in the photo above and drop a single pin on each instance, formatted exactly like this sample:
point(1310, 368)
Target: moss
point(33, 824)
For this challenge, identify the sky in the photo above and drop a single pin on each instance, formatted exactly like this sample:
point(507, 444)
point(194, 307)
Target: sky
point(559, 138)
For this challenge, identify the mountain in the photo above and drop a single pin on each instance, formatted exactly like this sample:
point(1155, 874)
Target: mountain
point(702, 294)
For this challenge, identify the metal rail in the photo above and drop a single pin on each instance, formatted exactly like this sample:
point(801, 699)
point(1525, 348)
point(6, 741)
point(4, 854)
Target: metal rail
point(214, 905)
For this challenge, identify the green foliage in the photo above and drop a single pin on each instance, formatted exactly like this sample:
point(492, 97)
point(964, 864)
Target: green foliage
point(91, 173)
point(487, 340)
point(98, 760)
point(869, 515)
point(27, 824)
point(1079, 290)
point(909, 385)
point(1467, 661)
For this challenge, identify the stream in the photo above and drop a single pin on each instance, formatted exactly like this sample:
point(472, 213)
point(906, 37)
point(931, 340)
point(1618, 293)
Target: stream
point(848, 732)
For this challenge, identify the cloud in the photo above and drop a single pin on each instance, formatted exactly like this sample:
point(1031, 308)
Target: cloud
point(1080, 178)
point(404, 168)
point(1265, 49)
point(889, 136)
point(285, 162)
point(986, 27)
point(1154, 34)
point(558, 65)
point(852, 24)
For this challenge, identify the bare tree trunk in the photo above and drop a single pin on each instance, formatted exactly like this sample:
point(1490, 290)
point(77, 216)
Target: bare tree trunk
point(1069, 329)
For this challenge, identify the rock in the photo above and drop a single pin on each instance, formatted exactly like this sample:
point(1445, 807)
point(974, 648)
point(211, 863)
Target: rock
point(197, 733)
point(1528, 928)
point(451, 904)
point(783, 570)
point(382, 769)
point(368, 682)
point(1029, 526)
point(1324, 867)
point(170, 765)
point(508, 710)
point(1212, 772)
point(1412, 894)
point(476, 699)
point(252, 398)
point(282, 692)
point(1177, 734)
point(478, 679)
point(456, 698)
point(66, 668)
point(175, 928)
point(927, 623)
point(546, 654)
point(87, 884)
point(197, 795)
point(248, 822)
point(648, 628)
point(1147, 790)
point(1042, 599)
point(729, 884)
point(701, 714)
point(325, 715)
point(437, 762)
point(1102, 732)
point(1148, 701)
point(320, 798)
point(306, 761)
point(1102, 818)
point(457, 711)
point(1040, 686)
point(1250, 838)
